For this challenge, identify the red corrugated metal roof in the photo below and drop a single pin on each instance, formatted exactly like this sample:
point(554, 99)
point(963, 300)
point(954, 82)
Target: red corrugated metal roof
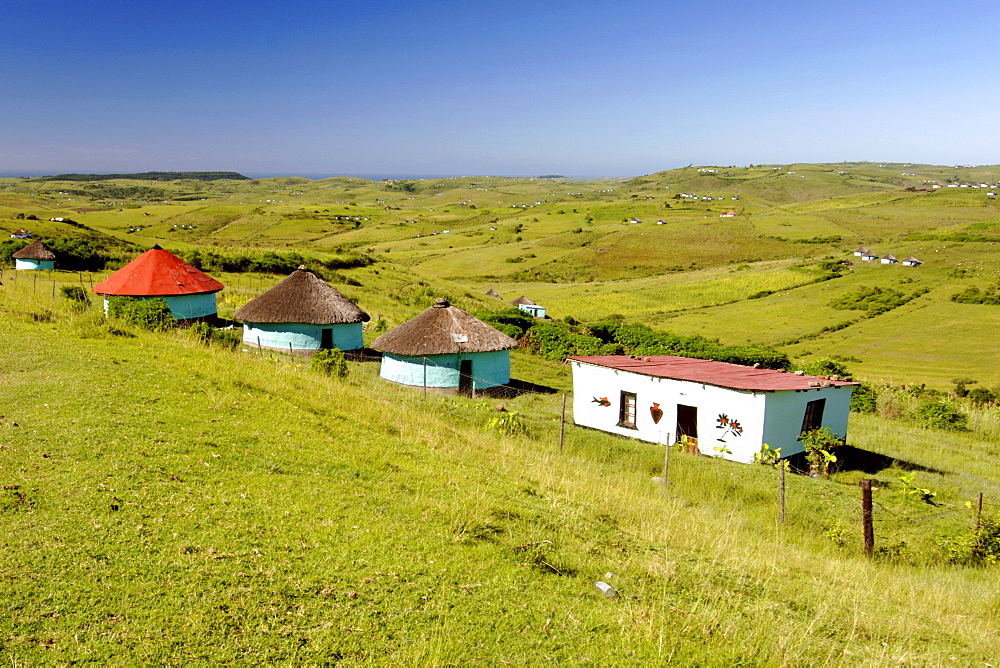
point(160, 273)
point(722, 374)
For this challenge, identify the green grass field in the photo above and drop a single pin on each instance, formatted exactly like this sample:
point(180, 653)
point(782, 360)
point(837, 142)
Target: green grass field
point(165, 502)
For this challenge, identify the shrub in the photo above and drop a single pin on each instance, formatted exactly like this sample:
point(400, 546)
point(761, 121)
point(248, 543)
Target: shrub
point(330, 362)
point(864, 399)
point(819, 444)
point(980, 396)
point(151, 314)
point(939, 415)
point(826, 367)
point(979, 547)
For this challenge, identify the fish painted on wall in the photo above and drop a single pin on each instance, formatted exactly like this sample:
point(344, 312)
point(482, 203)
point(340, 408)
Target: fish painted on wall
point(603, 401)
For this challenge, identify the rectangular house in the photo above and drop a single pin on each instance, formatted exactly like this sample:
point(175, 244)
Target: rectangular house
point(720, 408)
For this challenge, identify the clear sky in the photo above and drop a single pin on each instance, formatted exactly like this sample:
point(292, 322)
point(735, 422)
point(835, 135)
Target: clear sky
point(506, 88)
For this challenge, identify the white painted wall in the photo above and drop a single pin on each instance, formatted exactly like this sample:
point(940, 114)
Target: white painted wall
point(774, 418)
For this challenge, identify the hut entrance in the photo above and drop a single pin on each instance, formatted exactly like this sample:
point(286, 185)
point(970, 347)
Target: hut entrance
point(687, 424)
point(465, 377)
point(326, 339)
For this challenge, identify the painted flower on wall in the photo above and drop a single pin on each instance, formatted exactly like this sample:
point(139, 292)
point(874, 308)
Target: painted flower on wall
point(730, 427)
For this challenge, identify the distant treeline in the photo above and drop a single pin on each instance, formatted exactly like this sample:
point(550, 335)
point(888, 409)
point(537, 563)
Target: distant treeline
point(269, 262)
point(559, 340)
point(149, 176)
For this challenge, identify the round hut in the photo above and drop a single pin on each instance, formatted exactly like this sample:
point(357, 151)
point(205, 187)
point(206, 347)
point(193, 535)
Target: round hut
point(159, 274)
point(34, 256)
point(302, 314)
point(446, 350)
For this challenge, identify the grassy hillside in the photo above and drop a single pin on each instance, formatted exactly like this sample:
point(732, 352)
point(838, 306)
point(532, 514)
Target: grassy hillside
point(572, 245)
point(166, 502)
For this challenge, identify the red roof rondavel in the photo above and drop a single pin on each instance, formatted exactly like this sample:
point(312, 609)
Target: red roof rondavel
point(157, 273)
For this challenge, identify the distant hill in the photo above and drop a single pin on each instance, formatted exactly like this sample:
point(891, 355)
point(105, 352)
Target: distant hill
point(149, 176)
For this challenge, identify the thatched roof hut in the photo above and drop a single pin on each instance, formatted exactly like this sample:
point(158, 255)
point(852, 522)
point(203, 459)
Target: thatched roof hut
point(302, 297)
point(492, 293)
point(443, 329)
point(36, 250)
point(523, 300)
point(301, 315)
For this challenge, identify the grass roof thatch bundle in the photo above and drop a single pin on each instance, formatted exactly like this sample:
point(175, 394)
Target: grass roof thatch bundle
point(36, 250)
point(441, 330)
point(305, 298)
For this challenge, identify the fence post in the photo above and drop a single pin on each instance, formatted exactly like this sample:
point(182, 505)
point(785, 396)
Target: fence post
point(562, 423)
point(979, 511)
point(866, 517)
point(781, 488)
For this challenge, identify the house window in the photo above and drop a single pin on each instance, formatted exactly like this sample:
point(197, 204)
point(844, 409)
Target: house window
point(813, 419)
point(626, 412)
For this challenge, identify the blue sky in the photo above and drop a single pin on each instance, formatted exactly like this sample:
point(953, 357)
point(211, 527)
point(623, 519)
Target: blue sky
point(519, 88)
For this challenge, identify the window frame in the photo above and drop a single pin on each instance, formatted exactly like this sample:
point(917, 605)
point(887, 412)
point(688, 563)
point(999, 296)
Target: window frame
point(812, 417)
point(628, 400)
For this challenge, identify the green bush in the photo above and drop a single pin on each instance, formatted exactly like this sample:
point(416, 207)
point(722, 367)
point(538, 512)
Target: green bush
point(151, 314)
point(979, 547)
point(864, 399)
point(826, 367)
point(330, 362)
point(981, 396)
point(939, 415)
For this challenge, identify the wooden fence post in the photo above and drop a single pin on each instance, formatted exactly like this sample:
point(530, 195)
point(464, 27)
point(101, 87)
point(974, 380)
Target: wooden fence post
point(866, 517)
point(562, 423)
point(979, 511)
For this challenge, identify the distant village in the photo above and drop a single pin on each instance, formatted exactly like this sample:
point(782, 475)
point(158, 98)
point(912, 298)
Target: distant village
point(714, 408)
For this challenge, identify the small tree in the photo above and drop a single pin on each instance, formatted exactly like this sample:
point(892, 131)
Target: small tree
point(819, 444)
point(330, 362)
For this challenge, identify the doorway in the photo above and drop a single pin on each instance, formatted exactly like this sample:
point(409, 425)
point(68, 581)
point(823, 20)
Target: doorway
point(687, 424)
point(465, 377)
point(326, 339)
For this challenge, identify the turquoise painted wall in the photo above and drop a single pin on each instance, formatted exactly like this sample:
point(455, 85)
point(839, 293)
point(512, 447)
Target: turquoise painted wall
point(185, 307)
point(302, 336)
point(533, 310)
point(34, 265)
point(489, 369)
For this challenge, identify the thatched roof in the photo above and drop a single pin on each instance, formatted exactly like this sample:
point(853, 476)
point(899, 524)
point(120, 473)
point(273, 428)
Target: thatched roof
point(441, 330)
point(523, 300)
point(302, 297)
point(36, 250)
point(492, 293)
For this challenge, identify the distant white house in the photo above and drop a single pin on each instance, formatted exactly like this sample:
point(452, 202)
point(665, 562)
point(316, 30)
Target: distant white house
point(529, 307)
point(728, 214)
point(889, 258)
point(860, 252)
point(869, 256)
point(721, 409)
point(911, 262)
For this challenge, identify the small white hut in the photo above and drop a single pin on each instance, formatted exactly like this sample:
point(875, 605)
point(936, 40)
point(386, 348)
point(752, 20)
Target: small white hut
point(302, 314)
point(529, 307)
point(446, 350)
point(721, 409)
